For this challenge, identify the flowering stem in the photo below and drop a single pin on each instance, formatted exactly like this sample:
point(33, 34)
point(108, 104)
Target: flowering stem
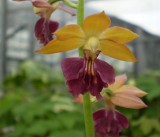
point(71, 4)
point(86, 97)
point(88, 115)
point(80, 17)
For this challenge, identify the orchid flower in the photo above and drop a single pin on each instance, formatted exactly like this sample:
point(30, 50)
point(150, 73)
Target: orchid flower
point(109, 122)
point(46, 7)
point(94, 36)
point(125, 95)
point(44, 27)
point(91, 74)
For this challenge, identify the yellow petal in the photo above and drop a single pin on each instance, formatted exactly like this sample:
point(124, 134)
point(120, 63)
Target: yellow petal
point(119, 81)
point(128, 101)
point(95, 24)
point(117, 51)
point(56, 46)
point(119, 35)
point(131, 90)
point(70, 31)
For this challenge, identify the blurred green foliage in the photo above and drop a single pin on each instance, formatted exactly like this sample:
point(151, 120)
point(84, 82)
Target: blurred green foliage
point(35, 103)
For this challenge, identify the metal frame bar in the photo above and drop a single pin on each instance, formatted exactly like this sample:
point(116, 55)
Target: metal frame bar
point(3, 46)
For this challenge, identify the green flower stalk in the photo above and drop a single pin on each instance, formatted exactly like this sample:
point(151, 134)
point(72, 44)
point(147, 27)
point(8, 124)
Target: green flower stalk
point(86, 97)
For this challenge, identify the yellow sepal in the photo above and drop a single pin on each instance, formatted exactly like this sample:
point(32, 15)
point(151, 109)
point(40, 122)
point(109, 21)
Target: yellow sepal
point(56, 46)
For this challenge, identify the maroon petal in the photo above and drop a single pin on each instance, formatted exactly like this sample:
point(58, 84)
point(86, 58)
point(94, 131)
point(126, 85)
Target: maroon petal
point(99, 114)
point(109, 122)
point(105, 71)
point(71, 68)
point(122, 119)
point(76, 87)
point(73, 72)
point(96, 88)
point(44, 30)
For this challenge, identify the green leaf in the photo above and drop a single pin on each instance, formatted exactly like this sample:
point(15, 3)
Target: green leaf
point(70, 133)
point(18, 131)
point(149, 124)
point(153, 110)
point(149, 84)
point(156, 123)
point(38, 128)
point(54, 124)
point(154, 135)
point(67, 120)
point(62, 104)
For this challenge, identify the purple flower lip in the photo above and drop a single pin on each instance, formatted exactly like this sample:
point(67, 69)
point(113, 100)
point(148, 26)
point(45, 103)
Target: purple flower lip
point(83, 75)
point(44, 30)
point(109, 122)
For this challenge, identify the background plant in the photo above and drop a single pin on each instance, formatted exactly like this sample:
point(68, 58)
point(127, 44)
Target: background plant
point(49, 111)
point(37, 105)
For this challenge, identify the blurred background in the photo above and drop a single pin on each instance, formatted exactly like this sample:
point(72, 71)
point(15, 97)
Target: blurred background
point(34, 101)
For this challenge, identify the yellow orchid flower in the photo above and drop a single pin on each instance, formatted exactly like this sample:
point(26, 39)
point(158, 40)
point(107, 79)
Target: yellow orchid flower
point(94, 35)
